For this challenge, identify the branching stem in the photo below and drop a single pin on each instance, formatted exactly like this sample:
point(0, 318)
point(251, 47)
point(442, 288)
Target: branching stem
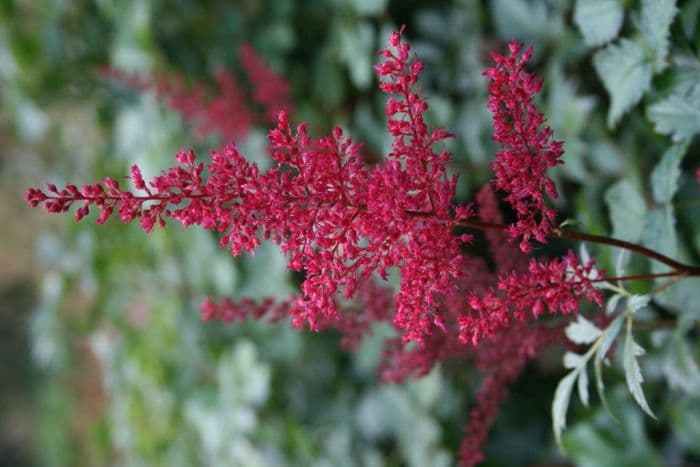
point(679, 269)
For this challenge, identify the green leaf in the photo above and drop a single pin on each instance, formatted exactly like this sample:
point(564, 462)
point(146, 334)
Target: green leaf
point(524, 19)
point(583, 386)
point(637, 302)
point(582, 331)
point(568, 116)
point(609, 337)
point(626, 75)
point(660, 235)
point(680, 367)
point(598, 443)
point(621, 262)
point(600, 386)
point(627, 210)
point(664, 178)
point(369, 7)
point(357, 43)
point(678, 114)
point(633, 374)
point(611, 306)
point(689, 18)
point(655, 22)
point(560, 404)
point(574, 360)
point(598, 20)
point(611, 333)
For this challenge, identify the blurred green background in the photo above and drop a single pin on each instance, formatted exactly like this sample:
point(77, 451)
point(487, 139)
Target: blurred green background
point(106, 361)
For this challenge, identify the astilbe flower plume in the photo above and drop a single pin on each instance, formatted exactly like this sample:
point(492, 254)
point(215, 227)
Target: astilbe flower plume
point(501, 361)
point(337, 219)
point(345, 224)
point(527, 147)
point(226, 111)
point(371, 304)
point(555, 285)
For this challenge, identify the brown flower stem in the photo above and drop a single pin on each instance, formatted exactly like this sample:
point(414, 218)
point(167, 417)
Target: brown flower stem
point(690, 270)
point(678, 267)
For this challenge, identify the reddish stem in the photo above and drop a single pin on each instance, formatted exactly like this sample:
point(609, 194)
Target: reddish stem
point(679, 268)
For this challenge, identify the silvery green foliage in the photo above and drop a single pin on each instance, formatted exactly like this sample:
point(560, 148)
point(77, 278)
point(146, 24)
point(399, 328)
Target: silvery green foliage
point(664, 178)
point(655, 21)
point(627, 210)
point(626, 75)
point(598, 20)
point(677, 113)
point(600, 341)
point(626, 66)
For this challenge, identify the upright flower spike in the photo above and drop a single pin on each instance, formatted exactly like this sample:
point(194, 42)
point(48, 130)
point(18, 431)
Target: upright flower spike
point(527, 147)
point(422, 208)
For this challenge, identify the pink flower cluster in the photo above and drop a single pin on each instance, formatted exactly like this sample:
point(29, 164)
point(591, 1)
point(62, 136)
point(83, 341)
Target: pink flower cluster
point(227, 112)
point(527, 147)
point(345, 224)
point(501, 361)
point(337, 219)
point(557, 285)
point(371, 304)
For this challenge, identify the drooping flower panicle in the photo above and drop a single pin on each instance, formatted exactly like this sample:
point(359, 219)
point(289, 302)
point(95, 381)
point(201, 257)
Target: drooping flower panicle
point(336, 218)
point(527, 148)
point(501, 361)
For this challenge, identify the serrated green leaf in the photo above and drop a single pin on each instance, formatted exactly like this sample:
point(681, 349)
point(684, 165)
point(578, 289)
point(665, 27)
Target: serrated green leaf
point(598, 20)
point(678, 114)
point(626, 75)
point(664, 178)
point(582, 331)
point(637, 302)
point(611, 333)
point(633, 374)
point(560, 404)
point(686, 69)
point(660, 235)
point(655, 22)
point(627, 210)
point(583, 386)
